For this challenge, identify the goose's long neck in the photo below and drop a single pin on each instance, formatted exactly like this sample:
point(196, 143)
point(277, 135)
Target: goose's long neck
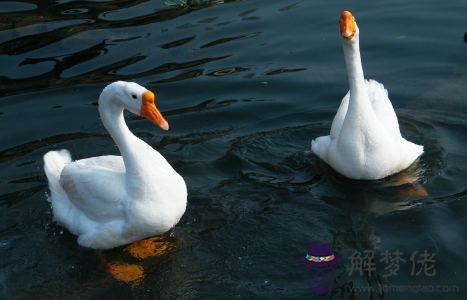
point(112, 117)
point(353, 62)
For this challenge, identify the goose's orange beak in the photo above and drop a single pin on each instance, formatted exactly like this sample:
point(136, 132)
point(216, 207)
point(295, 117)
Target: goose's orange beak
point(347, 25)
point(149, 111)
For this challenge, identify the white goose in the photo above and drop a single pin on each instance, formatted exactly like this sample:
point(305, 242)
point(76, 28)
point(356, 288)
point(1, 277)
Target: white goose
point(365, 140)
point(110, 201)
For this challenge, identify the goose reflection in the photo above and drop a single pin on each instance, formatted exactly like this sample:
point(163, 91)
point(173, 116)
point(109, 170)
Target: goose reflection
point(360, 199)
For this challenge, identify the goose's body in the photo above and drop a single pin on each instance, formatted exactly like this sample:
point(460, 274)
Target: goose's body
point(365, 141)
point(110, 201)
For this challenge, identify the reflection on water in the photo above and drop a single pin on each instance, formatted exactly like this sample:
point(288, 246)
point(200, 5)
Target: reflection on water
point(245, 86)
point(116, 264)
point(362, 199)
point(59, 32)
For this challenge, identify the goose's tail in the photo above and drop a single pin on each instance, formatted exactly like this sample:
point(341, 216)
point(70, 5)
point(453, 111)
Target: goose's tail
point(54, 161)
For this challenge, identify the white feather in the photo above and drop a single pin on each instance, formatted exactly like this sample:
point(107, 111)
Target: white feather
point(365, 141)
point(110, 201)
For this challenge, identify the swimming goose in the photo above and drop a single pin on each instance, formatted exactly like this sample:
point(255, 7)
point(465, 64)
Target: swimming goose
point(365, 141)
point(109, 201)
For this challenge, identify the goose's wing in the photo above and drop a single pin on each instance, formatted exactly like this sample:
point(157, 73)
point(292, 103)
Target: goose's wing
point(336, 126)
point(381, 105)
point(320, 145)
point(96, 187)
point(383, 108)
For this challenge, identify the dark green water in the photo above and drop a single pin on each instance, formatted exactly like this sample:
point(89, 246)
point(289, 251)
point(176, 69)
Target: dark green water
point(245, 86)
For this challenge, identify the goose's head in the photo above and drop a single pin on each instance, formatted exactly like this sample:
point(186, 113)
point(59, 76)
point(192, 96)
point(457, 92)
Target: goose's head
point(136, 99)
point(347, 26)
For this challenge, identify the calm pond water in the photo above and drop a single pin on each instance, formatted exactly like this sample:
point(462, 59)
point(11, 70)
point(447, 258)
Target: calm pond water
point(245, 86)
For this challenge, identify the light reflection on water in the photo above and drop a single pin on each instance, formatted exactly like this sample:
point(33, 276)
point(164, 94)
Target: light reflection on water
point(245, 86)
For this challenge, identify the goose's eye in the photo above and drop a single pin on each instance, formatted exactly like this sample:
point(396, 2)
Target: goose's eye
point(134, 96)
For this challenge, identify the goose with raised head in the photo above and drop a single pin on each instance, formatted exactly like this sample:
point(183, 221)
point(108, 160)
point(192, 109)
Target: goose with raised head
point(365, 140)
point(109, 201)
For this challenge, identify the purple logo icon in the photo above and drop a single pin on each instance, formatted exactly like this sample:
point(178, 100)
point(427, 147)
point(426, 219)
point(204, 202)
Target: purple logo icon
point(319, 260)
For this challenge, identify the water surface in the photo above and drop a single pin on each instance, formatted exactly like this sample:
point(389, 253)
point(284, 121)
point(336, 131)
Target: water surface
point(245, 86)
